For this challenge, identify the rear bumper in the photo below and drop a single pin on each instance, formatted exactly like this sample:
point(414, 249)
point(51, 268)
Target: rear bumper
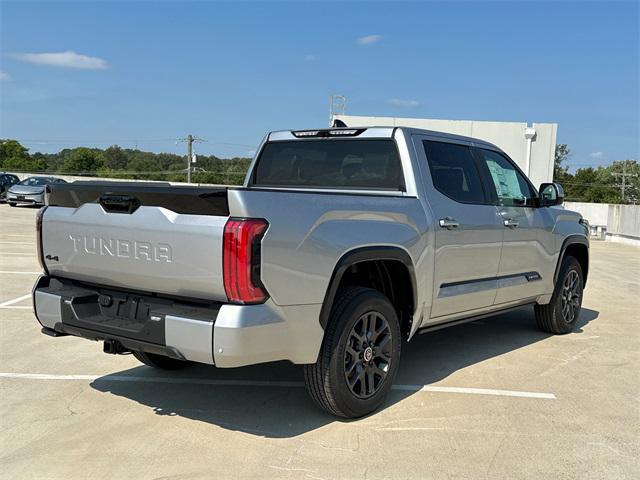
point(216, 334)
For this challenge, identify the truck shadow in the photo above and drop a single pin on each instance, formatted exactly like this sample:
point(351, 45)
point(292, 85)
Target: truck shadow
point(283, 411)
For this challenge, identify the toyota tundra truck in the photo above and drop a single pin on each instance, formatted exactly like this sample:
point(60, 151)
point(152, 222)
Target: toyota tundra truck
point(341, 245)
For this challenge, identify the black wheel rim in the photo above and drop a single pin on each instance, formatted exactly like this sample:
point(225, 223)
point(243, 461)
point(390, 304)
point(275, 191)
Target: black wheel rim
point(571, 293)
point(367, 357)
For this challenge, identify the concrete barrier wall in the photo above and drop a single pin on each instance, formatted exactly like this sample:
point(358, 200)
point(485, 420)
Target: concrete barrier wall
point(596, 213)
point(622, 222)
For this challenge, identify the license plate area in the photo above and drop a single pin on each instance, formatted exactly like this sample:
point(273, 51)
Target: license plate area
point(109, 313)
point(116, 313)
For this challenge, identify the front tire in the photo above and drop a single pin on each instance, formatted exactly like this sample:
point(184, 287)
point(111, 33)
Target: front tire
point(11, 204)
point(359, 357)
point(560, 315)
point(160, 361)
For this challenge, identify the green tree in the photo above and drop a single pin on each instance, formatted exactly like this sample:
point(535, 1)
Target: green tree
point(115, 158)
point(12, 149)
point(595, 185)
point(83, 161)
point(560, 168)
point(145, 168)
point(15, 157)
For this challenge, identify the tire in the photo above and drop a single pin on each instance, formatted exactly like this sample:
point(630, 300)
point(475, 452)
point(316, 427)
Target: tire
point(347, 351)
point(160, 361)
point(11, 204)
point(561, 314)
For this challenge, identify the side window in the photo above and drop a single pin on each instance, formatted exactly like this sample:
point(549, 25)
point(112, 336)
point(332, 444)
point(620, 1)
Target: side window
point(454, 172)
point(511, 187)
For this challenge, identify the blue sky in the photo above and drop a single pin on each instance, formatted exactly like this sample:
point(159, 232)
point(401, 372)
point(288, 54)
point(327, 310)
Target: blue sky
point(144, 73)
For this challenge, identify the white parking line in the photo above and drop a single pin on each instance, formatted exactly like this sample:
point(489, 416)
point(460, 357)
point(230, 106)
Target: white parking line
point(258, 383)
point(474, 391)
point(15, 300)
point(21, 273)
point(17, 243)
point(25, 254)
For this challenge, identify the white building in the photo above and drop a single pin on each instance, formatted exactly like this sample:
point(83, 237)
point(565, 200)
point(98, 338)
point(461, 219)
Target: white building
point(532, 148)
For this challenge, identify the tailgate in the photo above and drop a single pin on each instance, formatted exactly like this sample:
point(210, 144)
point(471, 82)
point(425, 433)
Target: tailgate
point(143, 237)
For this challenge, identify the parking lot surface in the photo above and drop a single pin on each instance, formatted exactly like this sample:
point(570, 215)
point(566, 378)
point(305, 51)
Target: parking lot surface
point(495, 398)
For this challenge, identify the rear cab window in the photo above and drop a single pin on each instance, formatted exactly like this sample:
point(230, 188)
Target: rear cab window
point(363, 164)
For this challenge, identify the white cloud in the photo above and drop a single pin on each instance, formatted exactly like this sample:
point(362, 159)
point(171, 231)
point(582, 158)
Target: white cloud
point(4, 76)
point(310, 58)
point(596, 154)
point(369, 39)
point(398, 102)
point(66, 59)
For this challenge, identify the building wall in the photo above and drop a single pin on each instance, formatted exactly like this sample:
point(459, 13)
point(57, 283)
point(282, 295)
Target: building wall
point(509, 136)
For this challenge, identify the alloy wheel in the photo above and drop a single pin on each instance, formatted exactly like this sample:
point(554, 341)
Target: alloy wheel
point(367, 357)
point(571, 296)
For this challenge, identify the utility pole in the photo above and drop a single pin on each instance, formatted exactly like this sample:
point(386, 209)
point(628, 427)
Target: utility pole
point(624, 176)
point(190, 139)
point(189, 154)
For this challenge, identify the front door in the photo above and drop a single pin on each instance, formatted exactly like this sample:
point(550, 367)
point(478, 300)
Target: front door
point(468, 232)
point(528, 246)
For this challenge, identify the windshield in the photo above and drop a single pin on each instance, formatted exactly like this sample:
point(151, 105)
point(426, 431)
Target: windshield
point(339, 164)
point(36, 181)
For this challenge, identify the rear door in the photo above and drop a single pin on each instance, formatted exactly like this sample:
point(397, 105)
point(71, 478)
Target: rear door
point(528, 246)
point(468, 233)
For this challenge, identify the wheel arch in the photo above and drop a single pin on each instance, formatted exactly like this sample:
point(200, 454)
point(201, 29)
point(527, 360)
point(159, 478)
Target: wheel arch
point(576, 246)
point(395, 269)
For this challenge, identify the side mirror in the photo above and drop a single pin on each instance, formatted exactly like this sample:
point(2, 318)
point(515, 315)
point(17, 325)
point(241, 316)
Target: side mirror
point(551, 194)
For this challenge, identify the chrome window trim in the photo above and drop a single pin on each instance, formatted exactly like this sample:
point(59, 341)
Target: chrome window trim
point(386, 193)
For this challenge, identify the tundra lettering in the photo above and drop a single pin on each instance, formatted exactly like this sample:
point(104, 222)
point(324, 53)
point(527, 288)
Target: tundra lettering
point(341, 244)
point(111, 247)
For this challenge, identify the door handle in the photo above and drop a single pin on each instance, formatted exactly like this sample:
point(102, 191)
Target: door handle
point(113, 203)
point(449, 223)
point(509, 223)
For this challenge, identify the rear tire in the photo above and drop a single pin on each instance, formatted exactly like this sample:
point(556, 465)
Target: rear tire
point(561, 314)
point(160, 361)
point(359, 357)
point(11, 204)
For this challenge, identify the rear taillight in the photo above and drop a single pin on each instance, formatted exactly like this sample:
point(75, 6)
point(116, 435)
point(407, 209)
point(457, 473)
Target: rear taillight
point(241, 260)
point(39, 216)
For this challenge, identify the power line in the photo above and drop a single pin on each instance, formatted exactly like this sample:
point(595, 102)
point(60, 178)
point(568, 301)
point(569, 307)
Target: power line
point(123, 140)
point(581, 184)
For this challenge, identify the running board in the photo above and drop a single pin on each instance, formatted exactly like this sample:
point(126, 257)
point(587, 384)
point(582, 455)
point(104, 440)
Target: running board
point(460, 321)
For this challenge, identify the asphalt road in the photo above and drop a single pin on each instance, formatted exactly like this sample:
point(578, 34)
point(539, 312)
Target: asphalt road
point(491, 399)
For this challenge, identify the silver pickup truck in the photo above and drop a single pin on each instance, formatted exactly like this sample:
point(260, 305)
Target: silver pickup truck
point(341, 245)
